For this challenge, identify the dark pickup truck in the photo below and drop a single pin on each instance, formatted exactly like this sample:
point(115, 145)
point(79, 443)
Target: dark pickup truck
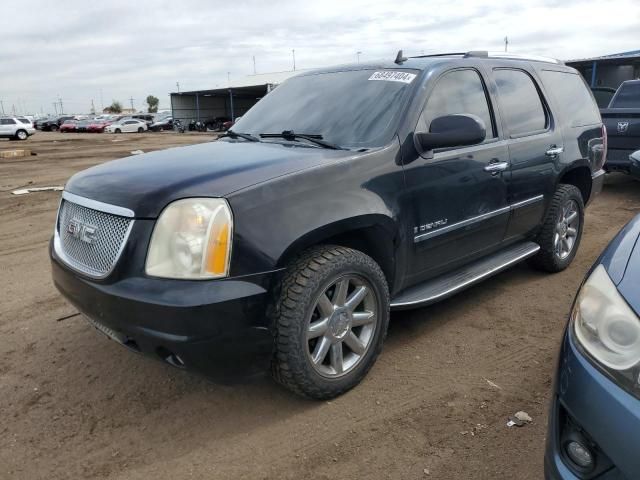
point(342, 194)
point(622, 119)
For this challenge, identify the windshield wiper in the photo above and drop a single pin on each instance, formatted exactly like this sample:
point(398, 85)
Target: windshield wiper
point(313, 138)
point(246, 136)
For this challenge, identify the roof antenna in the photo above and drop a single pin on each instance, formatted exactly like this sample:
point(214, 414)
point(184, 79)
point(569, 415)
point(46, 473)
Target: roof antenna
point(400, 58)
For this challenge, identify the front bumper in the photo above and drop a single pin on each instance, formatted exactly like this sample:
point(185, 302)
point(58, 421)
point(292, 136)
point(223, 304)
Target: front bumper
point(588, 401)
point(217, 328)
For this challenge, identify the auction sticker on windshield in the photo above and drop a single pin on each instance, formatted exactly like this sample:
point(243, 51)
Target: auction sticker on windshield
point(391, 76)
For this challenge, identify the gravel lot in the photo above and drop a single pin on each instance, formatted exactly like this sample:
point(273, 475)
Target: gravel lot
point(75, 405)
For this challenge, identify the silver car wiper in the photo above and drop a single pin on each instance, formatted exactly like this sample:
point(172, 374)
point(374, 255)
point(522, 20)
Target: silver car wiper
point(313, 138)
point(246, 136)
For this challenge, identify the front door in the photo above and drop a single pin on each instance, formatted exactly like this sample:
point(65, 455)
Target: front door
point(458, 196)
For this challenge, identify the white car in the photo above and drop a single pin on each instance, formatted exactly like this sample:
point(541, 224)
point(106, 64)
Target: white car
point(16, 128)
point(129, 125)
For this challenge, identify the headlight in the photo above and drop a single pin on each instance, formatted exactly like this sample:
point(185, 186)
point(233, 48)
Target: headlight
point(191, 240)
point(607, 328)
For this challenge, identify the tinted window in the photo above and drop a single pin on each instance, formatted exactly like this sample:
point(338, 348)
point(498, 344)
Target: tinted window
point(24, 120)
point(520, 102)
point(573, 97)
point(358, 108)
point(8, 121)
point(628, 96)
point(460, 91)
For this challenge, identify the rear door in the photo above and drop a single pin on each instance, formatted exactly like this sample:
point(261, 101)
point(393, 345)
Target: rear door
point(457, 196)
point(535, 147)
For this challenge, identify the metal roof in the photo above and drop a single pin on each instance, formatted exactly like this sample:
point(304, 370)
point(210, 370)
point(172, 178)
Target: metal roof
point(616, 58)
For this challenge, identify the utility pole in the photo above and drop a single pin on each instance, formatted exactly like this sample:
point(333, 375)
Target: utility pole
point(254, 64)
point(93, 108)
point(55, 107)
point(13, 109)
point(101, 100)
point(506, 43)
point(132, 107)
point(178, 85)
point(293, 52)
point(228, 79)
point(2, 106)
point(358, 56)
point(61, 106)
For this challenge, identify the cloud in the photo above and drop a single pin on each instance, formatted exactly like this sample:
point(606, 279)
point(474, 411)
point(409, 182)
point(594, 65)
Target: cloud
point(124, 49)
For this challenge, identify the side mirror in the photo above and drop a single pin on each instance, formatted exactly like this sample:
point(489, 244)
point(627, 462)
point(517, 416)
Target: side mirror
point(452, 131)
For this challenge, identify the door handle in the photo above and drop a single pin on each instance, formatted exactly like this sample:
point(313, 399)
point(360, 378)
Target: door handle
point(554, 151)
point(496, 167)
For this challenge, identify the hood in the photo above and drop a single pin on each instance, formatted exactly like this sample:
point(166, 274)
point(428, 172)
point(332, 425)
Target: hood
point(146, 183)
point(622, 262)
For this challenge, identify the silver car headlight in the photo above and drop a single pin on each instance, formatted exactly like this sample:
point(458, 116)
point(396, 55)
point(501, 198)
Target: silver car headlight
point(606, 327)
point(191, 240)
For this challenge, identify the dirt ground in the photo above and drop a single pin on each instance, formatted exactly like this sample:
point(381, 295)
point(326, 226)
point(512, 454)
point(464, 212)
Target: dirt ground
point(75, 405)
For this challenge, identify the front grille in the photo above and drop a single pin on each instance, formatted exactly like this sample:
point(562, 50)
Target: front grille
point(90, 240)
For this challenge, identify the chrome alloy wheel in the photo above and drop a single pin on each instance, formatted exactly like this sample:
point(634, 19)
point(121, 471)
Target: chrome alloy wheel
point(566, 233)
point(342, 326)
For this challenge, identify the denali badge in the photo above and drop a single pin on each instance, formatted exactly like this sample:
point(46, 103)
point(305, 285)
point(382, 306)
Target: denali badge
point(623, 127)
point(82, 231)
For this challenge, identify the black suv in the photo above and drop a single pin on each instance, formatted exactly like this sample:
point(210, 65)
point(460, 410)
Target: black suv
point(343, 193)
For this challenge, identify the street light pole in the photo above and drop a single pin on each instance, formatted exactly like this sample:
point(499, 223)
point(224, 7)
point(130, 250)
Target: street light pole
point(293, 52)
point(358, 56)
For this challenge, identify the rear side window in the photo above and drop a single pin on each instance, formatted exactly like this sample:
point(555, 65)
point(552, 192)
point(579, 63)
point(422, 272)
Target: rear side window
point(628, 96)
point(7, 121)
point(459, 91)
point(520, 102)
point(573, 97)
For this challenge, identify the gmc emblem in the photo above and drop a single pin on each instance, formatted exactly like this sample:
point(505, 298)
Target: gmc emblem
point(82, 231)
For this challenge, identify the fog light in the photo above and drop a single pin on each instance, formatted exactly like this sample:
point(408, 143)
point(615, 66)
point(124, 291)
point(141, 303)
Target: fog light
point(579, 454)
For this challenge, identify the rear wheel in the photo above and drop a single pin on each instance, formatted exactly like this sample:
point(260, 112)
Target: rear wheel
point(54, 128)
point(22, 135)
point(330, 316)
point(140, 129)
point(118, 130)
point(562, 230)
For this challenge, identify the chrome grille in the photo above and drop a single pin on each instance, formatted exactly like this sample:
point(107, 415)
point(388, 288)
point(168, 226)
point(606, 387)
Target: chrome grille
point(96, 253)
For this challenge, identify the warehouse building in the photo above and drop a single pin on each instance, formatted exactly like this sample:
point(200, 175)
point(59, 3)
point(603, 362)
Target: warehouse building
point(608, 70)
point(225, 103)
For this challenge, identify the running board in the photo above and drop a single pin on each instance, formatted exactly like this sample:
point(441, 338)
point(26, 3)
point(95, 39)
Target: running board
point(451, 283)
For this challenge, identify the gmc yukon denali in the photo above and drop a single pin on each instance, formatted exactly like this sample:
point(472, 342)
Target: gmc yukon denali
point(342, 194)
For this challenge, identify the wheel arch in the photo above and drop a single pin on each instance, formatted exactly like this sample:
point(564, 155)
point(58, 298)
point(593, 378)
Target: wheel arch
point(578, 174)
point(372, 234)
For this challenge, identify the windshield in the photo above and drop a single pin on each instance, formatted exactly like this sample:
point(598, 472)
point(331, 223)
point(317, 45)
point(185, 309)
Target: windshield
point(351, 108)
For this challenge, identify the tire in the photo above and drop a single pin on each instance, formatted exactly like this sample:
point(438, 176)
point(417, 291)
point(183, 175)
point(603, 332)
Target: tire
point(54, 128)
point(140, 129)
point(22, 135)
point(118, 130)
point(306, 365)
point(555, 255)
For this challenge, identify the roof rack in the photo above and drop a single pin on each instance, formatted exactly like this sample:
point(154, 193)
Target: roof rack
point(487, 54)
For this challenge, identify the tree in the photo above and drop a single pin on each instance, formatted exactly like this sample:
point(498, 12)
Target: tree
point(153, 103)
point(115, 107)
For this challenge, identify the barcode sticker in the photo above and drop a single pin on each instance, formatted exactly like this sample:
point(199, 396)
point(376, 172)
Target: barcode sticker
point(391, 76)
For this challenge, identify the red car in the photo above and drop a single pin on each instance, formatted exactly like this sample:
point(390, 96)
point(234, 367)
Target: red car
point(68, 126)
point(97, 126)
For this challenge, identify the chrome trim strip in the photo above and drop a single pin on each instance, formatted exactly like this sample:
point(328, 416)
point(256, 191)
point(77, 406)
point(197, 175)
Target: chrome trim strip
point(526, 202)
point(463, 223)
point(96, 205)
point(483, 275)
point(479, 218)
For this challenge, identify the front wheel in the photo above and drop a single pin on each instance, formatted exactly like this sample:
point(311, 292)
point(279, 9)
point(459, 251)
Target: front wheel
point(330, 316)
point(118, 130)
point(561, 231)
point(140, 129)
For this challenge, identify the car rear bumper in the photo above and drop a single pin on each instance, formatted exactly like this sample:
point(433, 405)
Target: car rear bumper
point(608, 418)
point(217, 328)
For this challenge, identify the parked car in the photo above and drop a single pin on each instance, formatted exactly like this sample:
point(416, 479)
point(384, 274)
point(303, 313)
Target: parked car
point(603, 95)
point(68, 126)
point(634, 168)
point(286, 242)
point(97, 125)
point(14, 128)
point(148, 118)
point(127, 126)
point(159, 124)
point(594, 422)
point(622, 119)
point(53, 124)
point(82, 126)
